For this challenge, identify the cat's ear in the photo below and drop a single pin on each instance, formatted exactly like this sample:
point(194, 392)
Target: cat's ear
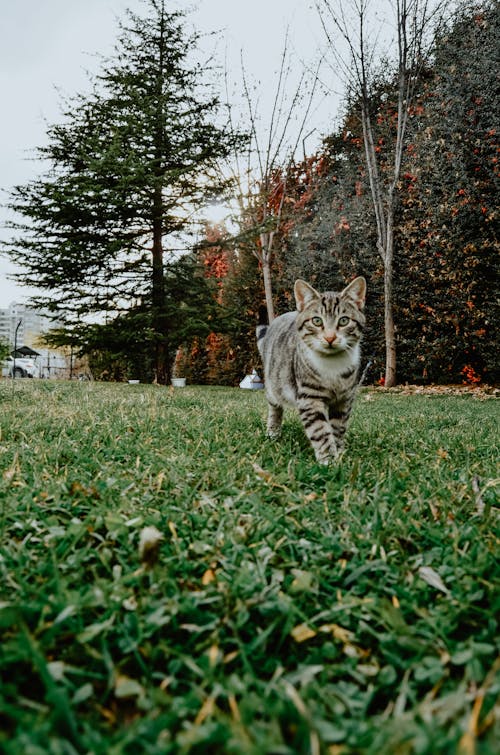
point(356, 290)
point(304, 293)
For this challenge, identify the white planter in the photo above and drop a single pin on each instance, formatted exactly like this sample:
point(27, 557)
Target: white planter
point(179, 382)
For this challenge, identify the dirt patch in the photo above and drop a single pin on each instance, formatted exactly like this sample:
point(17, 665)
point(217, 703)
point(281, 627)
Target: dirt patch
point(477, 391)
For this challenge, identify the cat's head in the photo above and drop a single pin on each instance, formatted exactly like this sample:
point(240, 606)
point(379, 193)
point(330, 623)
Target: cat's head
point(330, 322)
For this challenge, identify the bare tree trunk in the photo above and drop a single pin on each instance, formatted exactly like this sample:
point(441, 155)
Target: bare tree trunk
point(384, 216)
point(266, 255)
point(268, 287)
point(413, 18)
point(389, 329)
point(269, 150)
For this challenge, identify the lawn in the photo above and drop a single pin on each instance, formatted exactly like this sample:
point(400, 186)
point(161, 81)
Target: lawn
point(292, 608)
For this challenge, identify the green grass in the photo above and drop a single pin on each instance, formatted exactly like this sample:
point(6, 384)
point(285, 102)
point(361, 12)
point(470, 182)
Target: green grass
point(293, 608)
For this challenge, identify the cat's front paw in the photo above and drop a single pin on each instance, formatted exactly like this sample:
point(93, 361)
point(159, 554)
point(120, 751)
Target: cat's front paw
point(332, 458)
point(273, 433)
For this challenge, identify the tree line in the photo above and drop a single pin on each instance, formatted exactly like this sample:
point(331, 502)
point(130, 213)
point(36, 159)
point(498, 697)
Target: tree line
point(106, 232)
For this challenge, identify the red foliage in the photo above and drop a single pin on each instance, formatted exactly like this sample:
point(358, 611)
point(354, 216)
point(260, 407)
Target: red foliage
point(470, 375)
point(216, 264)
point(342, 225)
point(215, 258)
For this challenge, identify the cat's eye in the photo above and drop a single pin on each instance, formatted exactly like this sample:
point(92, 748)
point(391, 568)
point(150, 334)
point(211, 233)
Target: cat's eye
point(343, 321)
point(317, 321)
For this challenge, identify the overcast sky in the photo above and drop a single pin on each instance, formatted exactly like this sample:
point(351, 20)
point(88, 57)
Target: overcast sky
point(46, 47)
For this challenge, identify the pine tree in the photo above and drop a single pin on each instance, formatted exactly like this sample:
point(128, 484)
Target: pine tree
point(128, 165)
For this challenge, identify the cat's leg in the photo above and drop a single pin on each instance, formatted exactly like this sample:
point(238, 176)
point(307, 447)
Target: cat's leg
point(314, 416)
point(274, 419)
point(338, 417)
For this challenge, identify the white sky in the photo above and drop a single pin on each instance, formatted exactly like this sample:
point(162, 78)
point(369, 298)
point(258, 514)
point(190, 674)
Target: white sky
point(47, 45)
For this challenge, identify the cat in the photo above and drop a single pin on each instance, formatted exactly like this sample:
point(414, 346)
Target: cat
point(311, 360)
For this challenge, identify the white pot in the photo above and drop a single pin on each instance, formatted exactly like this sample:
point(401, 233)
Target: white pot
point(179, 382)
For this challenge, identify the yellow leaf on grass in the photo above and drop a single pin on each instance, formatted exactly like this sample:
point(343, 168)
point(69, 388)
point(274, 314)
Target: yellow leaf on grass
point(14, 469)
point(208, 577)
point(126, 687)
point(467, 744)
point(340, 633)
point(159, 480)
point(261, 473)
point(205, 711)
point(213, 655)
point(302, 632)
point(234, 708)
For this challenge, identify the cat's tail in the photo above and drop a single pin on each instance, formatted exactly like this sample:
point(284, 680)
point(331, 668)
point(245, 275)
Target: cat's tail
point(262, 325)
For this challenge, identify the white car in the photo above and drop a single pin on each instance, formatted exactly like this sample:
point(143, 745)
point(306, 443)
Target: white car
point(23, 367)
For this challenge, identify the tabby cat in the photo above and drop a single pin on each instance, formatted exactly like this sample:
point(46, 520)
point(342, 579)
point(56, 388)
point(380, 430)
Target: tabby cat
point(311, 360)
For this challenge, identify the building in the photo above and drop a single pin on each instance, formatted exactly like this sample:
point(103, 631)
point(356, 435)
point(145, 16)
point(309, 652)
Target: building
point(5, 326)
point(31, 324)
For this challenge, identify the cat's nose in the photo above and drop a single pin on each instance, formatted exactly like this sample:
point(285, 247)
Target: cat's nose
point(330, 339)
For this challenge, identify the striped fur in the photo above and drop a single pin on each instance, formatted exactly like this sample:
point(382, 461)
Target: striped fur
point(311, 360)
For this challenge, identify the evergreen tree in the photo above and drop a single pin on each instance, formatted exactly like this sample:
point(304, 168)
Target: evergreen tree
point(120, 349)
point(4, 350)
point(129, 164)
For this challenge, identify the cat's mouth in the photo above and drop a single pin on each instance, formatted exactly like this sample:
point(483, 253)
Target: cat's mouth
point(332, 348)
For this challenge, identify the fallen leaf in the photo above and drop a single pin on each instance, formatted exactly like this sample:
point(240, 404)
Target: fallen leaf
point(173, 530)
point(479, 499)
point(126, 687)
point(56, 669)
point(130, 604)
point(14, 469)
point(233, 705)
point(205, 711)
point(434, 511)
point(261, 472)
point(213, 655)
point(467, 744)
point(83, 693)
point(340, 633)
point(208, 577)
point(149, 545)
point(430, 575)
point(302, 632)
point(302, 580)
